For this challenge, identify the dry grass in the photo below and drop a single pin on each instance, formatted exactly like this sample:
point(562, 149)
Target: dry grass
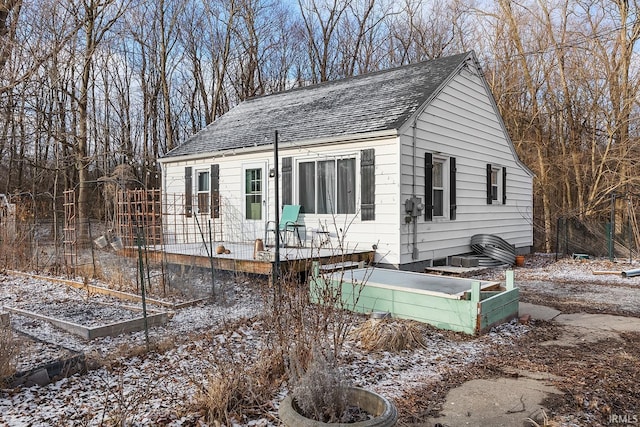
point(546, 422)
point(235, 388)
point(8, 351)
point(89, 271)
point(389, 335)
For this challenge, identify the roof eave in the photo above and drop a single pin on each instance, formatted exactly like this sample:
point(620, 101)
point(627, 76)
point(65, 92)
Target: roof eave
point(333, 140)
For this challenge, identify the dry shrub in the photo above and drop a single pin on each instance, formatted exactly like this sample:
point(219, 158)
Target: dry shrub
point(121, 279)
point(320, 391)
point(236, 388)
point(8, 351)
point(389, 335)
point(89, 271)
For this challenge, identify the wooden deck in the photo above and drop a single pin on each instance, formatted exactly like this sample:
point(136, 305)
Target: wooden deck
point(241, 257)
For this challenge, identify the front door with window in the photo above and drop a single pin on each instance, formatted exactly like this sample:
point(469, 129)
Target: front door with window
point(254, 193)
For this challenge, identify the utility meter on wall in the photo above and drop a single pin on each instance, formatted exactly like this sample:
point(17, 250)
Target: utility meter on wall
point(413, 206)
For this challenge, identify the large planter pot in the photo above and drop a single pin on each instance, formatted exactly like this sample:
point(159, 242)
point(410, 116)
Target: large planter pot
point(384, 412)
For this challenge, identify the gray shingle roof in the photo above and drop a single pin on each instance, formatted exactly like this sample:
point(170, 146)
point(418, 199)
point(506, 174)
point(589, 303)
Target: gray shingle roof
point(378, 101)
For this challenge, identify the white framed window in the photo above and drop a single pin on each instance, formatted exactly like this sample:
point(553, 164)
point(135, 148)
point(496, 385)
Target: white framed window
point(327, 186)
point(496, 181)
point(439, 182)
point(203, 178)
point(440, 187)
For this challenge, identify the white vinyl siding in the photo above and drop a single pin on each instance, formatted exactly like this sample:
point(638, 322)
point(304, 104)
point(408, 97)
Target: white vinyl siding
point(460, 126)
point(355, 233)
point(461, 122)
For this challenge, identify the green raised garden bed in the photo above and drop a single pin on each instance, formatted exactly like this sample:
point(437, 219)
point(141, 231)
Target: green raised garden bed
point(452, 303)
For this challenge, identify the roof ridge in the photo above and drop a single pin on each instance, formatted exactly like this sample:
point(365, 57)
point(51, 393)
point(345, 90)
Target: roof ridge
point(347, 79)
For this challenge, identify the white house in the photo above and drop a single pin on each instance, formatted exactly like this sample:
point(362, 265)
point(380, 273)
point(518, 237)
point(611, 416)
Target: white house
point(414, 160)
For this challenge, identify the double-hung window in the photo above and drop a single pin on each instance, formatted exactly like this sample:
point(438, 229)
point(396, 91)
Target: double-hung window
point(437, 173)
point(439, 187)
point(496, 184)
point(327, 186)
point(203, 191)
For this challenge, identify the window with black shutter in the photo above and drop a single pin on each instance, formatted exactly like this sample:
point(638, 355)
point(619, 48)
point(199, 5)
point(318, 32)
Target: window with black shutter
point(496, 185)
point(452, 188)
point(287, 188)
point(367, 185)
point(489, 184)
point(188, 191)
point(215, 191)
point(428, 187)
point(504, 186)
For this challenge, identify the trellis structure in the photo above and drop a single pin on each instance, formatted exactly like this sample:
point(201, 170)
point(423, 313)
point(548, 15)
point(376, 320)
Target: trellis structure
point(7, 219)
point(139, 213)
point(70, 238)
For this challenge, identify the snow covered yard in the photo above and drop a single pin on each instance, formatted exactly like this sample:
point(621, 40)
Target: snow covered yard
point(162, 387)
point(591, 285)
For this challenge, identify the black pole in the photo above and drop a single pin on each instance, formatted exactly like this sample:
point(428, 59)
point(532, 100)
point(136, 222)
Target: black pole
point(629, 227)
point(566, 235)
point(276, 183)
point(213, 270)
point(143, 293)
point(558, 222)
point(612, 225)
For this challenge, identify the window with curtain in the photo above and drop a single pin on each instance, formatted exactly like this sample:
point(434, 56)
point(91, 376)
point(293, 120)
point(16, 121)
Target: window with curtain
point(203, 192)
point(307, 186)
point(327, 186)
point(253, 193)
point(346, 201)
point(326, 183)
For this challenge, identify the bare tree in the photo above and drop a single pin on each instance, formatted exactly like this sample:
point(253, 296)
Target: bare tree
point(9, 13)
point(97, 18)
point(321, 20)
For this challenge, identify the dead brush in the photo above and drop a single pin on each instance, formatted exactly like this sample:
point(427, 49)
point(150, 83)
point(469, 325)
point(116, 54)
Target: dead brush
point(389, 335)
point(8, 351)
point(320, 389)
point(235, 388)
point(90, 271)
point(546, 422)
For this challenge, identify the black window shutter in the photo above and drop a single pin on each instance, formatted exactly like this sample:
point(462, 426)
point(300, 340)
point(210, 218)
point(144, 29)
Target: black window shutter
point(368, 184)
point(287, 185)
point(452, 188)
point(489, 198)
point(188, 191)
point(504, 186)
point(428, 186)
point(215, 191)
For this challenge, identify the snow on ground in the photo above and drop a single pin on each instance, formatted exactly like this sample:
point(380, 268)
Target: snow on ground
point(159, 388)
point(582, 285)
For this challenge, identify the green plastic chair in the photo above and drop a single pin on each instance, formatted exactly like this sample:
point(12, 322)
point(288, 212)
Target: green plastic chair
point(288, 225)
